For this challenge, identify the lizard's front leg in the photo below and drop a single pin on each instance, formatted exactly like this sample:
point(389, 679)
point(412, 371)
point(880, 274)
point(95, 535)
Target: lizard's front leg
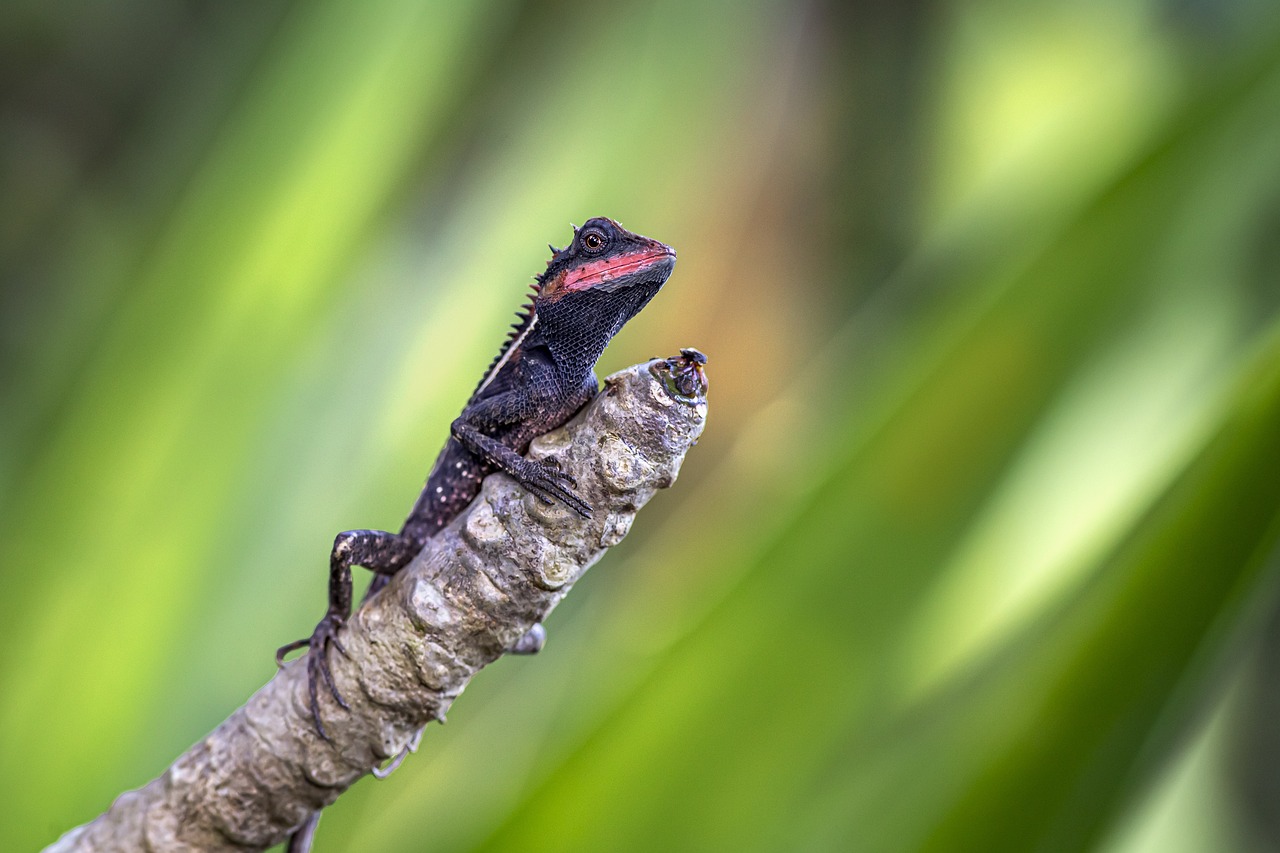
point(546, 481)
point(377, 550)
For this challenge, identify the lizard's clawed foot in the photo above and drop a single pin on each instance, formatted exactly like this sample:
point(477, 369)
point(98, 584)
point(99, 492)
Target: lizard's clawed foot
point(325, 635)
point(550, 484)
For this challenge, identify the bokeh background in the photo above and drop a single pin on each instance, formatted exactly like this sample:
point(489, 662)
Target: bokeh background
point(979, 551)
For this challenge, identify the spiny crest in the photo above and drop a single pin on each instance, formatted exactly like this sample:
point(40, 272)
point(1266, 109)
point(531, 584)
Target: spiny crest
point(542, 275)
point(524, 319)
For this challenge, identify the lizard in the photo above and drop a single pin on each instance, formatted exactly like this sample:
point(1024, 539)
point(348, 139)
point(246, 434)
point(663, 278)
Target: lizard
point(543, 375)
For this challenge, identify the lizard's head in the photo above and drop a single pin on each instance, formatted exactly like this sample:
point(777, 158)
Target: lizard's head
point(604, 258)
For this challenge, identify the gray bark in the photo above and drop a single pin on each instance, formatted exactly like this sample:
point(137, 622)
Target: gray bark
point(473, 592)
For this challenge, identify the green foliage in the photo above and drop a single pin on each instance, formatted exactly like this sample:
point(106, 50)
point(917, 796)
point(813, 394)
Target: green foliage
point(976, 548)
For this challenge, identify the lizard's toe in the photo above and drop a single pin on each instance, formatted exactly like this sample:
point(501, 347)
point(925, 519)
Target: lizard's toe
point(549, 484)
point(324, 636)
point(556, 470)
point(284, 650)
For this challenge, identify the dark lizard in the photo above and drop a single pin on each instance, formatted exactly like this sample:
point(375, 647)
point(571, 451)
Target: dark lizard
point(541, 377)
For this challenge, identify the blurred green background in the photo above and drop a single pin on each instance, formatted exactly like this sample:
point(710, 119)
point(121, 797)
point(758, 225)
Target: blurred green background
point(979, 551)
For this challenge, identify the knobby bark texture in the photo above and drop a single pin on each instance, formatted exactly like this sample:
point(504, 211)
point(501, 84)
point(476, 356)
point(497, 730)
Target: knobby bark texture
point(472, 593)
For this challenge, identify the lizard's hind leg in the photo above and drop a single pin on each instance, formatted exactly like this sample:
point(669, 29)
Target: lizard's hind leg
point(377, 550)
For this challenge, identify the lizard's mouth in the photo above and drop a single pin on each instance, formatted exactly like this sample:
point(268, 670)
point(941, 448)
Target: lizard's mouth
point(651, 264)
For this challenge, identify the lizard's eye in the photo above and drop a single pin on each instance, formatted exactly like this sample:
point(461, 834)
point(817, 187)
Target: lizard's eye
point(594, 241)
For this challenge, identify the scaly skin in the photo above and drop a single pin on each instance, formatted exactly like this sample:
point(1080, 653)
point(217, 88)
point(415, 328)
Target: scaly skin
point(542, 376)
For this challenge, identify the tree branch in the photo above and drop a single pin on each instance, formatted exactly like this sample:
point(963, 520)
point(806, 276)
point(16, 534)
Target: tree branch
point(472, 593)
